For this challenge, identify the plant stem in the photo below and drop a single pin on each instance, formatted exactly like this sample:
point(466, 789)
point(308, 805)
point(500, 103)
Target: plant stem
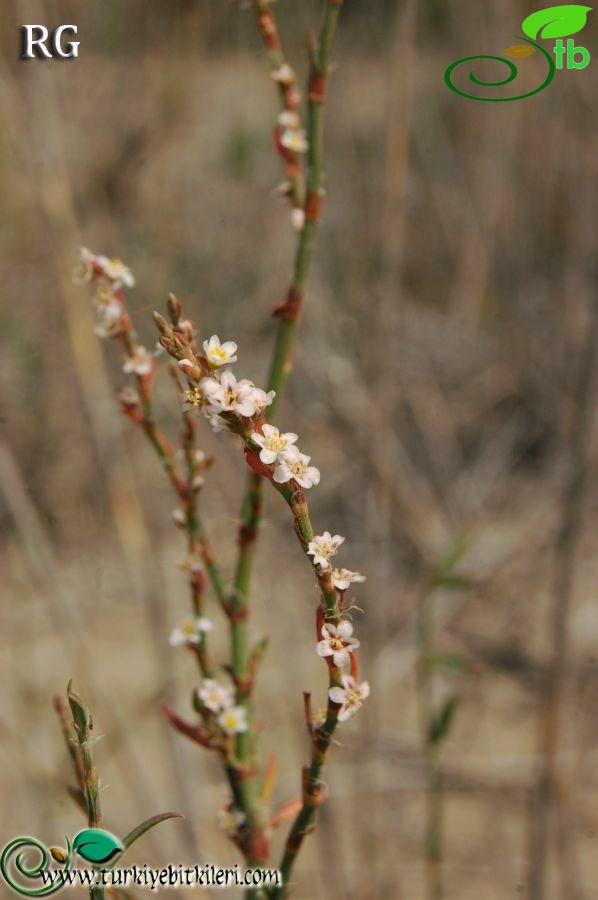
point(83, 726)
point(279, 371)
point(165, 454)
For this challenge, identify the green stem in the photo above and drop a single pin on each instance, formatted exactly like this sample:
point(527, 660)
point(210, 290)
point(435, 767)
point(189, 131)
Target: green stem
point(313, 794)
point(280, 369)
point(83, 726)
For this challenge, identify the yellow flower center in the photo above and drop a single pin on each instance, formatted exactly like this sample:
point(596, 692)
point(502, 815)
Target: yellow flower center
point(276, 443)
point(195, 397)
point(353, 699)
point(336, 643)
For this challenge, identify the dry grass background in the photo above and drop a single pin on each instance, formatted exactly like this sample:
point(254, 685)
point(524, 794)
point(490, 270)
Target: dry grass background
point(436, 384)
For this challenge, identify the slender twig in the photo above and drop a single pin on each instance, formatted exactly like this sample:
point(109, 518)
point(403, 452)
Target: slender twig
point(165, 453)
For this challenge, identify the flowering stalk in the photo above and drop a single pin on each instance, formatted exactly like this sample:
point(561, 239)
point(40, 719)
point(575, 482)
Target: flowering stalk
point(306, 211)
point(288, 313)
point(275, 457)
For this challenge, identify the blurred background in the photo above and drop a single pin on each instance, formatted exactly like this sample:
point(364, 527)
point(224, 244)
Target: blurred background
point(444, 384)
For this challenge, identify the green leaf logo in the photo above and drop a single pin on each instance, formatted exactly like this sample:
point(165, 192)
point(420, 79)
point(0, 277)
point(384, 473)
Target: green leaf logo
point(96, 845)
point(556, 21)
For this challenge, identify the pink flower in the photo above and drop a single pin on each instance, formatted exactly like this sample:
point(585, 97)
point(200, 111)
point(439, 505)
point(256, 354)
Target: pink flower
point(323, 547)
point(342, 578)
point(351, 696)
point(295, 465)
point(273, 443)
point(230, 395)
point(338, 642)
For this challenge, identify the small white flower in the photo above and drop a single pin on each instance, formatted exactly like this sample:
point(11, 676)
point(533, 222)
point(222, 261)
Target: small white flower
point(84, 270)
point(288, 118)
point(218, 354)
point(298, 219)
point(113, 270)
point(295, 465)
point(189, 631)
point(342, 578)
point(337, 642)
point(116, 271)
point(294, 139)
point(323, 547)
point(319, 717)
point(230, 820)
point(215, 696)
point(128, 396)
point(230, 395)
point(193, 565)
point(272, 442)
point(193, 398)
point(179, 517)
point(141, 363)
point(262, 399)
point(109, 312)
point(351, 696)
point(283, 190)
point(233, 720)
point(215, 422)
point(283, 75)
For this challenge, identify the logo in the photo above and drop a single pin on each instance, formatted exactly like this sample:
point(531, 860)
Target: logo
point(554, 22)
point(92, 844)
point(34, 42)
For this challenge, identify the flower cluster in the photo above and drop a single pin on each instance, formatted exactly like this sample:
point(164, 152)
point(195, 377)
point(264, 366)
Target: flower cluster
point(103, 271)
point(281, 451)
point(190, 632)
point(109, 277)
point(337, 642)
point(212, 696)
point(219, 700)
point(214, 390)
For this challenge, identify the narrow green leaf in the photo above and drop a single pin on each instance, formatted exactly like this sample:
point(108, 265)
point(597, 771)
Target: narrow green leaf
point(441, 722)
point(448, 662)
point(81, 715)
point(556, 21)
point(453, 555)
point(145, 826)
point(453, 583)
